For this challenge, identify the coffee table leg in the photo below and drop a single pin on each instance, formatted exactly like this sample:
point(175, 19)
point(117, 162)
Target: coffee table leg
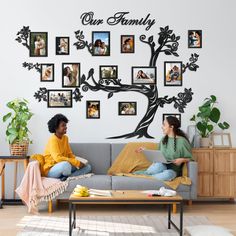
point(169, 215)
point(181, 219)
point(70, 213)
point(74, 215)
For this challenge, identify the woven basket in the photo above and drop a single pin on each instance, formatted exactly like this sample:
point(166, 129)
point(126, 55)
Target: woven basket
point(19, 148)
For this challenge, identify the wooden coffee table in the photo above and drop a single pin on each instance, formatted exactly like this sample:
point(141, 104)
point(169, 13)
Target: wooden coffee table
point(126, 197)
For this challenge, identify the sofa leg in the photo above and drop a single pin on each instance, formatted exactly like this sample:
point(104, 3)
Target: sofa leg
point(50, 206)
point(190, 202)
point(174, 208)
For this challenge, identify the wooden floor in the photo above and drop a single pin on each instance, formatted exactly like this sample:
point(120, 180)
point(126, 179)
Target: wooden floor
point(219, 213)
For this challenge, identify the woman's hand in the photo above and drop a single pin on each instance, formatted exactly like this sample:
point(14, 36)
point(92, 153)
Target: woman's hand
point(140, 149)
point(179, 161)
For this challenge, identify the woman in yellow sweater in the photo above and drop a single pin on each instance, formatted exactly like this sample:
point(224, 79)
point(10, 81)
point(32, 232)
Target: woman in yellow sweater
point(60, 162)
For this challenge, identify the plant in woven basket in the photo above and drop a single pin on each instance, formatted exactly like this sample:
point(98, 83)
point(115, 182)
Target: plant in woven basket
point(17, 132)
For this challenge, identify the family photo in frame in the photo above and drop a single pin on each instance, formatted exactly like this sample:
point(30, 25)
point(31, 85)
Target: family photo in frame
point(101, 43)
point(47, 72)
point(143, 75)
point(58, 98)
point(93, 109)
point(195, 39)
point(173, 73)
point(108, 71)
point(127, 108)
point(127, 43)
point(62, 45)
point(38, 44)
point(70, 75)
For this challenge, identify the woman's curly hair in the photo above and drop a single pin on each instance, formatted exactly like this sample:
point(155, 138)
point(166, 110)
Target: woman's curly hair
point(55, 121)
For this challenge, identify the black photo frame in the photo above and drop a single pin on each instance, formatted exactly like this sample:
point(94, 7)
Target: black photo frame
point(93, 112)
point(66, 83)
point(98, 37)
point(149, 71)
point(130, 39)
point(59, 99)
point(109, 73)
point(177, 115)
point(46, 74)
point(173, 77)
point(125, 108)
point(62, 48)
point(34, 39)
point(194, 38)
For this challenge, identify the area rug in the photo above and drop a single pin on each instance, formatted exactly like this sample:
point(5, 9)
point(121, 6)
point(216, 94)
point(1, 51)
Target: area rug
point(105, 225)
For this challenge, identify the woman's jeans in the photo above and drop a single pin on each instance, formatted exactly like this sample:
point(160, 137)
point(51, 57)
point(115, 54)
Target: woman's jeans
point(159, 171)
point(65, 169)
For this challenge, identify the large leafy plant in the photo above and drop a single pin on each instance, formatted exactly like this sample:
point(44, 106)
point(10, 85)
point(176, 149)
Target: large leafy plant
point(208, 117)
point(17, 129)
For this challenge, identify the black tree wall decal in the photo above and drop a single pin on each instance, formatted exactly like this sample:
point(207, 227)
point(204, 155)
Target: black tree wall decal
point(23, 36)
point(167, 44)
point(30, 66)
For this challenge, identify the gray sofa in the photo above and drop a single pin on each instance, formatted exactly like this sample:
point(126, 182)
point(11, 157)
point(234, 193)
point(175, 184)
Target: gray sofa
point(102, 155)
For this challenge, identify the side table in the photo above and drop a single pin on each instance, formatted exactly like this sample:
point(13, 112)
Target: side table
point(3, 161)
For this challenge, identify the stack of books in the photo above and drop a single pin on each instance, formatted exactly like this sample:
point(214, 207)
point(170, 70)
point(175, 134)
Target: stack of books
point(98, 192)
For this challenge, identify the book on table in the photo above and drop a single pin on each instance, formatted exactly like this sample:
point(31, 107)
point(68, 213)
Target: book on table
point(99, 192)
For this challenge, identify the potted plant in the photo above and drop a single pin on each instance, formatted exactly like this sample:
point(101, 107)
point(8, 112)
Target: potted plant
point(17, 132)
point(206, 119)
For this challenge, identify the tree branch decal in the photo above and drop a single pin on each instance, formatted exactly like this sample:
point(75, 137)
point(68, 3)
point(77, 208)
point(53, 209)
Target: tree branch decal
point(77, 95)
point(180, 102)
point(81, 43)
point(109, 85)
point(167, 43)
point(191, 65)
point(41, 95)
point(23, 36)
point(31, 66)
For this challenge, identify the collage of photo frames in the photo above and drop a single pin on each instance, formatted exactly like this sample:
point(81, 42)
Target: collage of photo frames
point(101, 46)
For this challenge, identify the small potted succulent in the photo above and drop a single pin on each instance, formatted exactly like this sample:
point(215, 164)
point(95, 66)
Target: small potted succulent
point(17, 132)
point(206, 119)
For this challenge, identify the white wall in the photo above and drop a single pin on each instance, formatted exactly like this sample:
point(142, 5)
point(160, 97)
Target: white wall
point(58, 18)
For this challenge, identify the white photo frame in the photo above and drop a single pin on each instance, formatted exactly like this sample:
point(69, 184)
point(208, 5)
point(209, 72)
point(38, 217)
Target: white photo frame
point(221, 140)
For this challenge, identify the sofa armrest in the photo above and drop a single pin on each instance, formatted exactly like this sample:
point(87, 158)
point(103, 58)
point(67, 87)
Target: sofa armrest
point(193, 175)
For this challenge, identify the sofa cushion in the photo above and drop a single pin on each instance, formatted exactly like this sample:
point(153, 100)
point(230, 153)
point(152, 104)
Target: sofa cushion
point(98, 155)
point(95, 181)
point(133, 183)
point(115, 150)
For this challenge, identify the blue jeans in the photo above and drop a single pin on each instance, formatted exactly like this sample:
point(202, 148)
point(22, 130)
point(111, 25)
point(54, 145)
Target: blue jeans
point(159, 171)
point(65, 169)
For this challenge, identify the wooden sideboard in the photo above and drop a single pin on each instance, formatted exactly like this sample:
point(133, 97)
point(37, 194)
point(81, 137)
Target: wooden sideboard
point(216, 172)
